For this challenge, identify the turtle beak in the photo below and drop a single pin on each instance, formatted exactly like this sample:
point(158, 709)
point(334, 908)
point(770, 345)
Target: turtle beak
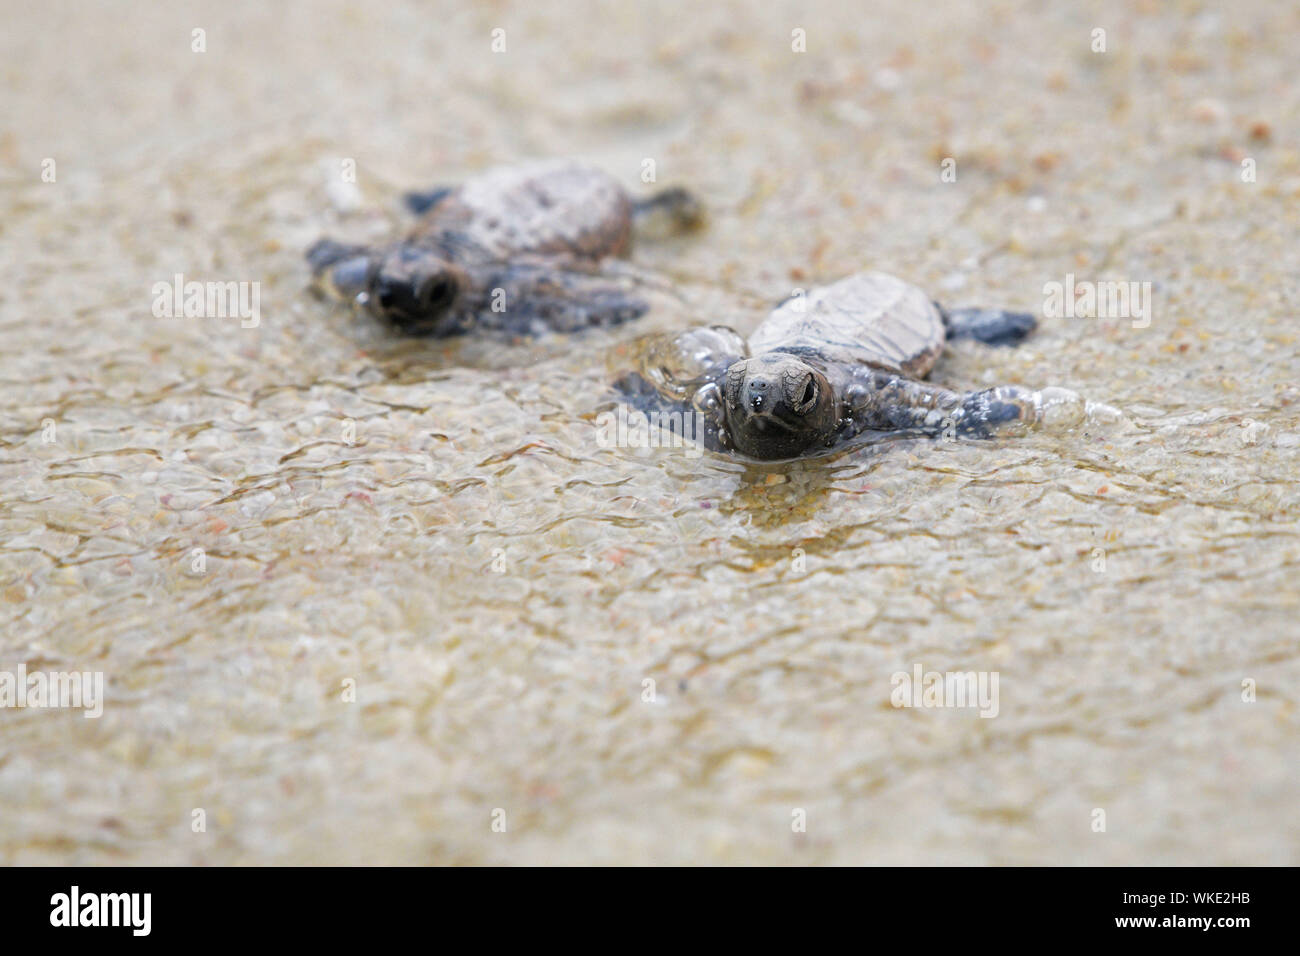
point(756, 395)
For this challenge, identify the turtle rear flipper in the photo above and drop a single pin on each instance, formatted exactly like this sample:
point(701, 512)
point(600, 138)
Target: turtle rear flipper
point(990, 326)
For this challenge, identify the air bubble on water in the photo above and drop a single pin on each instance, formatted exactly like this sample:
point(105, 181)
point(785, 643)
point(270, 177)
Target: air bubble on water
point(1101, 412)
point(1060, 407)
point(1064, 408)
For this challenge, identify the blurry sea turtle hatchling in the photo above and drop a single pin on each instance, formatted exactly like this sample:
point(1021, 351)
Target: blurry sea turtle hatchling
point(843, 361)
point(523, 249)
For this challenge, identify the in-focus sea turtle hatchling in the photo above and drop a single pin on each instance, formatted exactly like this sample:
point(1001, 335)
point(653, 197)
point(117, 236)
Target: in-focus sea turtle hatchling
point(524, 249)
point(822, 369)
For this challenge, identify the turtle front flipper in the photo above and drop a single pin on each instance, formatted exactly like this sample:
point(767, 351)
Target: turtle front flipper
point(533, 296)
point(644, 409)
point(674, 382)
point(421, 201)
point(670, 212)
point(882, 401)
point(340, 270)
point(1049, 408)
point(990, 326)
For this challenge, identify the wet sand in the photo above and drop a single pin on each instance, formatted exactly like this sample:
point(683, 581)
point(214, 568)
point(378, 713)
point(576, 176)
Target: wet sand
point(437, 523)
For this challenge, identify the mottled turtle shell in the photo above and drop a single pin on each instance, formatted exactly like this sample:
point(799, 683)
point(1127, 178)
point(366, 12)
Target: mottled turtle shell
point(870, 318)
point(547, 208)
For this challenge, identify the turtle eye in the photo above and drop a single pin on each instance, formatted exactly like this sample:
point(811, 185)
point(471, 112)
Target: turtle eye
point(807, 394)
point(391, 293)
point(436, 292)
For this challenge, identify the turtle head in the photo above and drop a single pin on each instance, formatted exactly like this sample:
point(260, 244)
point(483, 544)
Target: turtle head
point(415, 289)
point(777, 406)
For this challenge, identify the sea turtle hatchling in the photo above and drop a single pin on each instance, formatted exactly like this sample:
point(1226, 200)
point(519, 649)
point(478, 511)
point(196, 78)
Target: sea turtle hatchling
point(844, 360)
point(524, 249)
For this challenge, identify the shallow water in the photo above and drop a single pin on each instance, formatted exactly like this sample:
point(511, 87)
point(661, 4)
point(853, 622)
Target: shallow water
point(438, 523)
